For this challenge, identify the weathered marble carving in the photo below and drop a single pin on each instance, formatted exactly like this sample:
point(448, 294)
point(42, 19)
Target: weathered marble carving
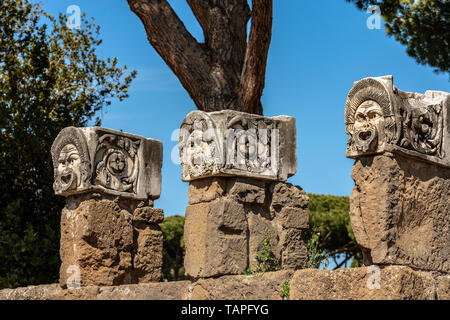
point(71, 161)
point(229, 217)
point(118, 163)
point(107, 161)
point(380, 118)
point(231, 143)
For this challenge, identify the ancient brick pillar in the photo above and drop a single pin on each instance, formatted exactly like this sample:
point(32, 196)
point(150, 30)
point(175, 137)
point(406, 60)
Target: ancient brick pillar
point(235, 164)
point(400, 205)
point(109, 228)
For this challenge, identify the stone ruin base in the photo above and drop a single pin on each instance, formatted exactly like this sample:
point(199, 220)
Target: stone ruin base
point(109, 241)
point(400, 211)
point(395, 283)
point(229, 217)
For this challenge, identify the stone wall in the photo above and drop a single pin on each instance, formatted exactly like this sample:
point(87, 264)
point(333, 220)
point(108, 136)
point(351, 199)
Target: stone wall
point(109, 241)
point(228, 218)
point(400, 211)
point(236, 165)
point(395, 282)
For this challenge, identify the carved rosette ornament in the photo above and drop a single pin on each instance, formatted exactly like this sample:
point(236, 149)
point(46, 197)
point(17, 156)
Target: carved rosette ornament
point(380, 118)
point(232, 143)
point(118, 163)
point(101, 160)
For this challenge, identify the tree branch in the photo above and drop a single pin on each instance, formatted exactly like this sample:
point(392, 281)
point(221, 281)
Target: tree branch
point(343, 262)
point(225, 72)
point(224, 25)
point(348, 247)
point(179, 49)
point(254, 72)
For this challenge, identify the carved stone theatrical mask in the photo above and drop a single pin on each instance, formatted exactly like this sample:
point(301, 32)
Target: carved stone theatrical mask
point(399, 206)
point(106, 161)
point(368, 124)
point(380, 118)
point(68, 172)
point(71, 162)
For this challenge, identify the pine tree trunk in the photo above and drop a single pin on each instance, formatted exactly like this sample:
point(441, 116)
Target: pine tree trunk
point(227, 71)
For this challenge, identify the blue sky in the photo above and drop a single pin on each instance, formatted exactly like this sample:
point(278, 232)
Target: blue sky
point(319, 48)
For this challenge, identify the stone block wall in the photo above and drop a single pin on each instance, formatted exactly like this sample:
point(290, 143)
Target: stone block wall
point(109, 241)
point(236, 165)
point(391, 283)
point(228, 218)
point(239, 203)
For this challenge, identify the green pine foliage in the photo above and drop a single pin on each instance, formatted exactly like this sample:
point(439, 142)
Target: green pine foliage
point(173, 248)
point(423, 26)
point(330, 236)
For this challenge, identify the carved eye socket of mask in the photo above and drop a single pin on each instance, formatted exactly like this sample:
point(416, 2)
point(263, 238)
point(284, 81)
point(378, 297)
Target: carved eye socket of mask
point(73, 160)
point(360, 117)
point(374, 115)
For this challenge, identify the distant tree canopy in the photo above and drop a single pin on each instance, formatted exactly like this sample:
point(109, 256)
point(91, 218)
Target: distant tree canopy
point(422, 25)
point(173, 248)
point(50, 78)
point(330, 224)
